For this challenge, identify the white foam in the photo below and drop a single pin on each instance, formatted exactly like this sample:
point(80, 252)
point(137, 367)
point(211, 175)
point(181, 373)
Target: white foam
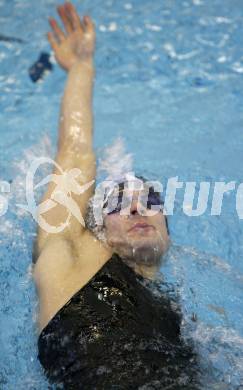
point(169, 48)
point(153, 27)
point(115, 161)
point(237, 67)
point(128, 6)
point(112, 26)
point(102, 28)
point(197, 2)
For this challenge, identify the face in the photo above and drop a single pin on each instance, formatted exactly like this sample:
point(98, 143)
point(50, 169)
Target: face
point(140, 238)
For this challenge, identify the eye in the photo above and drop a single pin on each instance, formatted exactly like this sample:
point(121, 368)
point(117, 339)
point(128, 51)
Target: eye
point(151, 199)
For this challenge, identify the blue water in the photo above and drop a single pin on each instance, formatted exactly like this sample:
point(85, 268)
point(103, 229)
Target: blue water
point(169, 81)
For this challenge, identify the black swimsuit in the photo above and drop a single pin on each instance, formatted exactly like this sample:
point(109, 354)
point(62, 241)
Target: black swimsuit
point(118, 332)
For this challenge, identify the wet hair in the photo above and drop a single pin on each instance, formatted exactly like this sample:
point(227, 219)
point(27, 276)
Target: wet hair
point(98, 230)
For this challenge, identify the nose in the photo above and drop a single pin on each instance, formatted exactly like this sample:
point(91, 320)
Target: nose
point(134, 207)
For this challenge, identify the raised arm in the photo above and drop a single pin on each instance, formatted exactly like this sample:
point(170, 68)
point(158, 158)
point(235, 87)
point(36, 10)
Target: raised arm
point(60, 258)
point(74, 49)
point(74, 53)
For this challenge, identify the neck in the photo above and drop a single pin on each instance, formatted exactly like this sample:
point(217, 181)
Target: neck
point(148, 272)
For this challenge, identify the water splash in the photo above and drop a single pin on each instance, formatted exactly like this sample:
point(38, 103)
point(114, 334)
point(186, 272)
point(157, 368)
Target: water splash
point(207, 316)
point(115, 161)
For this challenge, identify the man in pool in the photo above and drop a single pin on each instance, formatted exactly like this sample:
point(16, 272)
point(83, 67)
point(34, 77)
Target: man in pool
point(102, 326)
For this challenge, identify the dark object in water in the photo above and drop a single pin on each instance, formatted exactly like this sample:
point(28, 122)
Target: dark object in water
point(10, 39)
point(37, 70)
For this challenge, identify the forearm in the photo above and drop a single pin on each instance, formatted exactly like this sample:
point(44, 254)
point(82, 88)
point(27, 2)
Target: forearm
point(76, 117)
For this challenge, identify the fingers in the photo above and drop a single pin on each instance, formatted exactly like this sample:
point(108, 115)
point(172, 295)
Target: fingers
point(64, 15)
point(70, 17)
point(59, 34)
point(53, 42)
point(88, 24)
point(71, 22)
point(73, 15)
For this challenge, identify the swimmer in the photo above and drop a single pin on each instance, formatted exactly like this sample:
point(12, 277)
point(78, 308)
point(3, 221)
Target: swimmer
point(101, 324)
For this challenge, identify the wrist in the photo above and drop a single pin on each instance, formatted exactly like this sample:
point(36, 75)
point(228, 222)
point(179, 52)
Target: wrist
point(84, 64)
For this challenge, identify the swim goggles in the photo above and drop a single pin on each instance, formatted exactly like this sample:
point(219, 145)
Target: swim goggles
point(115, 204)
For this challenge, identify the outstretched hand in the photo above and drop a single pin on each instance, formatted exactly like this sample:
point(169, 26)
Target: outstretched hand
point(77, 43)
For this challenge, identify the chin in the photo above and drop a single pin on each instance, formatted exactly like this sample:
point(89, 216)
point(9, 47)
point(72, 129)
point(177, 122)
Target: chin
point(147, 254)
point(143, 252)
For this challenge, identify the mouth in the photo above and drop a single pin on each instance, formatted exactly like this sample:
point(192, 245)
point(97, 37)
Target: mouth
point(143, 226)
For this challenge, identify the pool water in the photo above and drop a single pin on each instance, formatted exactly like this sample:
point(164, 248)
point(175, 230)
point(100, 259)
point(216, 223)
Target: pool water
point(169, 82)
